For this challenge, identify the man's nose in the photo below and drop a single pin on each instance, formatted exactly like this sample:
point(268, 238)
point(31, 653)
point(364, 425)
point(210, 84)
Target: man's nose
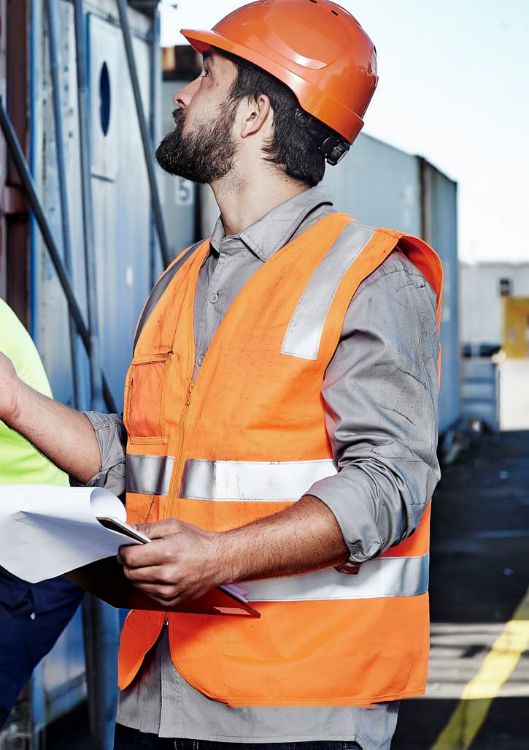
point(183, 97)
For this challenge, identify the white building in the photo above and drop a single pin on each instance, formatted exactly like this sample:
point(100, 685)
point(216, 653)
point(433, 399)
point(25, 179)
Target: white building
point(482, 287)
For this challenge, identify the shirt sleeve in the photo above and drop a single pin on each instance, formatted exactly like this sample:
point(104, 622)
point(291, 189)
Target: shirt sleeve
point(381, 393)
point(112, 439)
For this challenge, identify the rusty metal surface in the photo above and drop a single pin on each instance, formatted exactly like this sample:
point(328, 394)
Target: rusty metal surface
point(14, 220)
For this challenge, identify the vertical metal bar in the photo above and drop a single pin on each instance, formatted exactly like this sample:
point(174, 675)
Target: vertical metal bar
point(100, 637)
point(53, 43)
point(154, 109)
point(100, 621)
point(87, 204)
point(146, 142)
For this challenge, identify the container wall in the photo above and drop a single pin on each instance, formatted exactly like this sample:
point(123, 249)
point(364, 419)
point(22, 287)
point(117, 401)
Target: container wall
point(378, 185)
point(121, 196)
point(439, 195)
point(178, 194)
point(123, 241)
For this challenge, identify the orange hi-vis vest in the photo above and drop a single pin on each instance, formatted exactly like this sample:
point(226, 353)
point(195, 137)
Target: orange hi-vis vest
point(246, 439)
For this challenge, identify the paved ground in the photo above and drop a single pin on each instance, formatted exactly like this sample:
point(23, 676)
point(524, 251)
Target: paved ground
point(480, 572)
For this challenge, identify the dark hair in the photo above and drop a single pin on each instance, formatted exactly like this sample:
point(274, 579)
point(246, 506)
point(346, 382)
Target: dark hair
point(292, 147)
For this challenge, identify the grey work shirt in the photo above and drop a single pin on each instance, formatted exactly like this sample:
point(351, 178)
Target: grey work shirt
point(380, 392)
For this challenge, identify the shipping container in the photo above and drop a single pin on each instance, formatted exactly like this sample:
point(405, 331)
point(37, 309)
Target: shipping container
point(439, 228)
point(126, 252)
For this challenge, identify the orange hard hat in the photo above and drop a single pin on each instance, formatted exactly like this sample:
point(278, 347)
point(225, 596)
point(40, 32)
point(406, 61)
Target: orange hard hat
point(314, 47)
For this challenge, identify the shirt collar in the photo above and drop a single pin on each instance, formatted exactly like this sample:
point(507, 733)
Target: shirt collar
point(273, 230)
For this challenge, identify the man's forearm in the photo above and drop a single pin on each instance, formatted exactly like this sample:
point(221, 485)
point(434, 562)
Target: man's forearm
point(62, 434)
point(304, 537)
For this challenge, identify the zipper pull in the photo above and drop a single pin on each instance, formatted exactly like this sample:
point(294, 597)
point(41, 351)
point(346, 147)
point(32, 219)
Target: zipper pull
point(189, 393)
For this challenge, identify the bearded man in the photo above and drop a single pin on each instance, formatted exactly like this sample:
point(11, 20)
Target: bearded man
point(280, 416)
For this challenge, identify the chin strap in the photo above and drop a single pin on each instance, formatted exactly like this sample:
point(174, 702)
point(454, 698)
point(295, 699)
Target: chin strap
point(332, 147)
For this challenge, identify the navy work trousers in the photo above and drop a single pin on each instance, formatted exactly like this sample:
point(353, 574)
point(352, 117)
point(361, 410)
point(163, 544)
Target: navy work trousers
point(32, 617)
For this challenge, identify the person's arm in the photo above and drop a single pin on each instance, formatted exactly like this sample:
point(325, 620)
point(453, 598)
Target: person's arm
point(380, 392)
point(62, 434)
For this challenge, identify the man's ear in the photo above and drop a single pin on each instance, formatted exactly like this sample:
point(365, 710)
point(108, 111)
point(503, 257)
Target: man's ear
point(254, 114)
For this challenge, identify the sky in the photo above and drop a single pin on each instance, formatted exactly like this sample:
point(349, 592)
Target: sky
point(454, 88)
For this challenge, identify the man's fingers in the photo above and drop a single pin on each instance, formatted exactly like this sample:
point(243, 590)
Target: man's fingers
point(155, 553)
point(160, 528)
point(155, 574)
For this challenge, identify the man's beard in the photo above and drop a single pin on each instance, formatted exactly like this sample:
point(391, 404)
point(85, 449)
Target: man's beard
point(202, 155)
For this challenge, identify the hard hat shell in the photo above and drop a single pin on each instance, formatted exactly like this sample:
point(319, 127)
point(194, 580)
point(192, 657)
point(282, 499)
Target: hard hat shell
point(314, 47)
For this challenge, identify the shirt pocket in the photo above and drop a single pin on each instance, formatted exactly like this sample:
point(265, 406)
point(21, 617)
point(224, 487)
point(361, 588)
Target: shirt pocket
point(145, 391)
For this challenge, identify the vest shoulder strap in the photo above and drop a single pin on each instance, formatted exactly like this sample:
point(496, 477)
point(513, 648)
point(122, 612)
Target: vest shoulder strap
point(160, 287)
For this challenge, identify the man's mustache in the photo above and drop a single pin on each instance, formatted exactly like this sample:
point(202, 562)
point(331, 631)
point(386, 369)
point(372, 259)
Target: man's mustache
point(178, 116)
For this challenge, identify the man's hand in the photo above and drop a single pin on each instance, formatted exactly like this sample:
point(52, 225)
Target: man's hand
point(181, 563)
point(9, 389)
point(184, 562)
point(64, 435)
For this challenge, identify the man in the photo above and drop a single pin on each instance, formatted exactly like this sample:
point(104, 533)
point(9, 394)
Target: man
point(280, 411)
point(31, 616)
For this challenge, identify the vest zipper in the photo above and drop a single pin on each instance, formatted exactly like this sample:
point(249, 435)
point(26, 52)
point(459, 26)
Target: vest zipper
point(178, 457)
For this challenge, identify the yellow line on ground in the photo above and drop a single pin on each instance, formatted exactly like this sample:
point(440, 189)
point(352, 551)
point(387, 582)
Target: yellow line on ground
point(478, 694)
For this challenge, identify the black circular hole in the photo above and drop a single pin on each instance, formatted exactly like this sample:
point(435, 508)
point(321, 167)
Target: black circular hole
point(104, 98)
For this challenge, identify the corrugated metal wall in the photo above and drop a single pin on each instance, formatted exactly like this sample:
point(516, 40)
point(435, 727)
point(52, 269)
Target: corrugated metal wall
point(120, 193)
point(439, 205)
point(123, 241)
point(378, 185)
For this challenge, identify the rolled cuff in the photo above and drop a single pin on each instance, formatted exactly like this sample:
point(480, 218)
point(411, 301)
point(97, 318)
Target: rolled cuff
point(347, 495)
point(112, 438)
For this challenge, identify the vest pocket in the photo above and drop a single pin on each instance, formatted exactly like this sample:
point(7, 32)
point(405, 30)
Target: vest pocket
point(144, 398)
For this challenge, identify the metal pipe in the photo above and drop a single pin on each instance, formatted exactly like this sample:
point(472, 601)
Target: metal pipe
point(53, 39)
point(154, 108)
point(27, 181)
point(83, 103)
point(146, 142)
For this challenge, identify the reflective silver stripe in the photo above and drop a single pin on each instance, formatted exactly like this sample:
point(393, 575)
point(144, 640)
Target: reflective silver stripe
point(385, 576)
point(149, 475)
point(304, 331)
point(252, 480)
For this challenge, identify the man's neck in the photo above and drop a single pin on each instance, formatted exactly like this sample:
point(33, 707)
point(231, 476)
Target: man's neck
point(244, 200)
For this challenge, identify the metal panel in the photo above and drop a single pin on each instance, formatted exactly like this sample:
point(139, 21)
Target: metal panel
point(439, 206)
point(121, 196)
point(481, 392)
point(122, 230)
point(378, 185)
point(121, 200)
point(178, 194)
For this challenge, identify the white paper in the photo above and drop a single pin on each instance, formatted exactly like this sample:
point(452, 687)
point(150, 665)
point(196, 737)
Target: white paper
point(46, 531)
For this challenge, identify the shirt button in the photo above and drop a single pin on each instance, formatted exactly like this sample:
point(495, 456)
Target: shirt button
point(214, 298)
point(200, 359)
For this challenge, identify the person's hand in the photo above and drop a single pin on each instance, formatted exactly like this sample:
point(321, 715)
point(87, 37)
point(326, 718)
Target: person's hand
point(181, 563)
point(9, 389)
